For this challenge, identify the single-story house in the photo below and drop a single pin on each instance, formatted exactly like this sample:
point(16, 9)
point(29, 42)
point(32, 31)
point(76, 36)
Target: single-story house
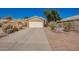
point(36, 22)
point(70, 19)
point(74, 20)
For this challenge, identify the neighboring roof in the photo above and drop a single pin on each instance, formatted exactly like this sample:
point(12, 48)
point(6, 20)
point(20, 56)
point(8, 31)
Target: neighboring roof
point(71, 18)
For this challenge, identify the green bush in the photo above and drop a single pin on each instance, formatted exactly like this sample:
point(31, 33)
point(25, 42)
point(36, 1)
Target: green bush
point(67, 26)
point(53, 25)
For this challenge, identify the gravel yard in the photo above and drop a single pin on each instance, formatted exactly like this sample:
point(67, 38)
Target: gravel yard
point(67, 41)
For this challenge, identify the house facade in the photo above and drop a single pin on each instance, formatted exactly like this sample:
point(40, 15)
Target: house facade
point(36, 22)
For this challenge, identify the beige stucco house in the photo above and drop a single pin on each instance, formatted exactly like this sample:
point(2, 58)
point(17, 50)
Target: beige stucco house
point(36, 22)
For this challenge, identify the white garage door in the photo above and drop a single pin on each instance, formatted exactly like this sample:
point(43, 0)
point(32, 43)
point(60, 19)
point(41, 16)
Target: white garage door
point(35, 24)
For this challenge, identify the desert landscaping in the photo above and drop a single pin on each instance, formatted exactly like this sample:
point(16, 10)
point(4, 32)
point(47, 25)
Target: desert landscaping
point(50, 38)
point(67, 41)
point(40, 34)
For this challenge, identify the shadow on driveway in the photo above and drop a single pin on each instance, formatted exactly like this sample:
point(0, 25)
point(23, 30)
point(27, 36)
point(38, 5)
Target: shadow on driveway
point(3, 35)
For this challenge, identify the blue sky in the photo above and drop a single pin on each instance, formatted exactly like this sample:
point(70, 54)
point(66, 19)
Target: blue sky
point(21, 12)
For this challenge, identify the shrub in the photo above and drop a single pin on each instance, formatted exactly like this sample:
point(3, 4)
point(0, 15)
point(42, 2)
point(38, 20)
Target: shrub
point(67, 26)
point(15, 28)
point(9, 31)
point(52, 25)
point(4, 27)
point(7, 26)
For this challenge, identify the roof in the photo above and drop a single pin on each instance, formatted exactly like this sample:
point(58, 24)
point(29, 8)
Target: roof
point(71, 18)
point(36, 19)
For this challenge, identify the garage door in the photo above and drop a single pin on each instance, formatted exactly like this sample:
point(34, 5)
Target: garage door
point(35, 24)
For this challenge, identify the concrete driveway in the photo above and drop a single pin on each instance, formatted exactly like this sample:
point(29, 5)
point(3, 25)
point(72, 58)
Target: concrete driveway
point(25, 40)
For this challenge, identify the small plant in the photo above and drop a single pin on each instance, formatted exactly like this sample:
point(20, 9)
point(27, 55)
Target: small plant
point(67, 26)
point(52, 25)
point(10, 31)
point(4, 28)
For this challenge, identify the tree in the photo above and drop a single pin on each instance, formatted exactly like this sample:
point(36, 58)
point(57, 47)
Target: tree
point(52, 15)
point(48, 15)
point(55, 15)
point(9, 18)
point(47, 12)
point(26, 17)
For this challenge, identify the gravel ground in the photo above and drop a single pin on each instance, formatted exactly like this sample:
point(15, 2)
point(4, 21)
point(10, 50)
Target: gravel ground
point(67, 41)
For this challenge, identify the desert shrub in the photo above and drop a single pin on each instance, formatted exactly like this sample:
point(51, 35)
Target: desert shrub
point(9, 31)
point(10, 26)
point(52, 25)
point(15, 28)
point(4, 27)
point(22, 28)
point(7, 26)
point(67, 26)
